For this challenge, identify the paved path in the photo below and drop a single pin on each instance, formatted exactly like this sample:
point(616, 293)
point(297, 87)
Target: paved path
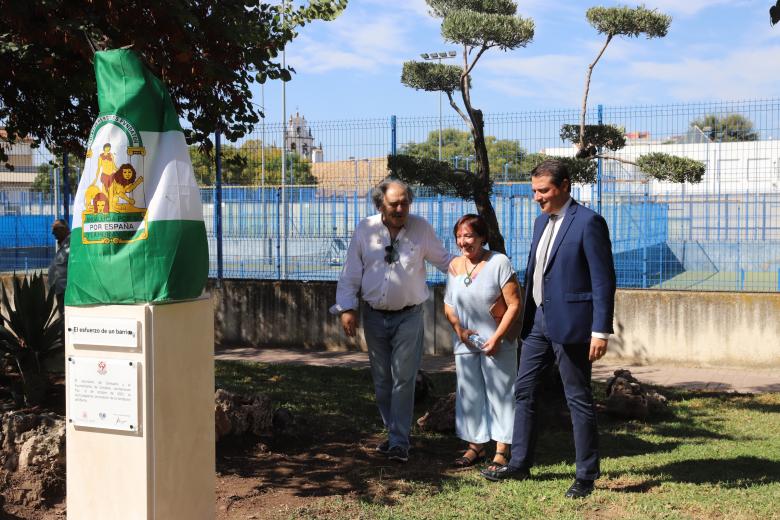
point(712, 379)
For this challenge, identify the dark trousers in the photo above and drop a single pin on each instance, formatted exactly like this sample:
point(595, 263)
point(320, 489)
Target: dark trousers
point(575, 368)
point(61, 303)
point(60, 298)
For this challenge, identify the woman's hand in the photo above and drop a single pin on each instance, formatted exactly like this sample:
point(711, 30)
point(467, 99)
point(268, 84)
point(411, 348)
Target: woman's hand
point(463, 335)
point(491, 346)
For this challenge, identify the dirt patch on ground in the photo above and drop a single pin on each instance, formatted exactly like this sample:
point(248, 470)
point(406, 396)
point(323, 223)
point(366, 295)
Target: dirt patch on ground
point(263, 478)
point(282, 481)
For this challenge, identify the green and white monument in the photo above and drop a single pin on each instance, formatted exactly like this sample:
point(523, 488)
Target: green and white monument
point(139, 330)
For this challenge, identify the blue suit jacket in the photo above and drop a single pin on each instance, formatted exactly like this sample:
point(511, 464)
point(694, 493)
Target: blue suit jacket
point(579, 282)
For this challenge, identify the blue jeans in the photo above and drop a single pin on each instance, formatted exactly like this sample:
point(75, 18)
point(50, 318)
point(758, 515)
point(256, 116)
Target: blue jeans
point(575, 368)
point(395, 349)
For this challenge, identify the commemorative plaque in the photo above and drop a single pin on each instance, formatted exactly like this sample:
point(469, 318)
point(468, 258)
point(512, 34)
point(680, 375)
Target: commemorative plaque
point(103, 393)
point(103, 332)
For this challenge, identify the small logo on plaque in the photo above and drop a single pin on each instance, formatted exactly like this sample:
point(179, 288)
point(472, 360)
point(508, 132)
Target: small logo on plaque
point(101, 368)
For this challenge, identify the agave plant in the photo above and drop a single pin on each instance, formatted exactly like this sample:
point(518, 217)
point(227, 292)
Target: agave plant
point(30, 331)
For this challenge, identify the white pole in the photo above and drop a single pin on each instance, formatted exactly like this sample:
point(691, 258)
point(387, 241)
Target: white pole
point(440, 119)
point(284, 158)
point(262, 142)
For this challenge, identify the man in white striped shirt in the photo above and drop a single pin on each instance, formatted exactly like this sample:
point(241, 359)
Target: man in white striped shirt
point(385, 264)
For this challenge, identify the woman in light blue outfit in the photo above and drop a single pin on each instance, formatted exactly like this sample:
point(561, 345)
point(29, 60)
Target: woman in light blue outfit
point(484, 407)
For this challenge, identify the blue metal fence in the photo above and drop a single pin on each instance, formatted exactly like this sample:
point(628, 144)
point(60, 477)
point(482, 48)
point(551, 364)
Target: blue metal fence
point(720, 234)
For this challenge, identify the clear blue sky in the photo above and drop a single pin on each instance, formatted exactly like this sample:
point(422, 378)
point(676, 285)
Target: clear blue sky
point(350, 68)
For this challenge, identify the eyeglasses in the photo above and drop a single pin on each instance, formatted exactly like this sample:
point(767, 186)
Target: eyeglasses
point(391, 255)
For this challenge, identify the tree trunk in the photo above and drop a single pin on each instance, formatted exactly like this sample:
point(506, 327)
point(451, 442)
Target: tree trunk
point(482, 186)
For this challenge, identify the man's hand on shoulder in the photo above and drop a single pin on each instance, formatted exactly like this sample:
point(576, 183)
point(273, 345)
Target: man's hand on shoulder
point(598, 347)
point(349, 322)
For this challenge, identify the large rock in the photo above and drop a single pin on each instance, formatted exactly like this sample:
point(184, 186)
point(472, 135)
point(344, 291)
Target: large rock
point(32, 455)
point(240, 414)
point(630, 399)
point(441, 416)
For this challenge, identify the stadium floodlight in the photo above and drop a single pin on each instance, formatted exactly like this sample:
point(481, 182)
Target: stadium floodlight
point(438, 56)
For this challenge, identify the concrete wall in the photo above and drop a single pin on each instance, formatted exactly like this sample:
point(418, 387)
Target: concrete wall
point(692, 328)
point(701, 328)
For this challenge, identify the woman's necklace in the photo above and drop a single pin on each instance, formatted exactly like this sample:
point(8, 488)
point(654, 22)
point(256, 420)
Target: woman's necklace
point(467, 281)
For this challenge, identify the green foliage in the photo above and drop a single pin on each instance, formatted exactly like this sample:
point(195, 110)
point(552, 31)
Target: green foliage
point(44, 180)
point(243, 166)
point(610, 137)
point(432, 77)
point(435, 174)
point(30, 332)
point(581, 171)
point(208, 53)
point(665, 167)
point(728, 128)
point(477, 29)
point(478, 25)
point(505, 155)
point(627, 21)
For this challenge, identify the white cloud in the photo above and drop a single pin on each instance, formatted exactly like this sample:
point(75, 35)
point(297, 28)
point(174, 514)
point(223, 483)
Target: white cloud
point(550, 65)
point(553, 78)
point(684, 7)
point(743, 73)
point(353, 42)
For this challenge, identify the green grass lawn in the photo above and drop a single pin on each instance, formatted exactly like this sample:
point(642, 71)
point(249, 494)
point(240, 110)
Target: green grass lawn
point(712, 455)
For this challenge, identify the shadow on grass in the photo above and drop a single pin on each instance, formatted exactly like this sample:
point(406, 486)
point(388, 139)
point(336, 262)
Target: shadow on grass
point(730, 472)
point(737, 472)
point(663, 432)
point(335, 468)
point(337, 427)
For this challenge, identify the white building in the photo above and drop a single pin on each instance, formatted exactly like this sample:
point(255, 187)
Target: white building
point(20, 156)
point(744, 167)
point(300, 140)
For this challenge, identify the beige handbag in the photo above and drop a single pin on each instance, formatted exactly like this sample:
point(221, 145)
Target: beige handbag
point(497, 310)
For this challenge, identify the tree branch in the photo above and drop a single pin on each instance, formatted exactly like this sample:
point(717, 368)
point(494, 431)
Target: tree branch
point(464, 82)
point(587, 88)
point(459, 111)
point(89, 41)
point(474, 62)
point(613, 158)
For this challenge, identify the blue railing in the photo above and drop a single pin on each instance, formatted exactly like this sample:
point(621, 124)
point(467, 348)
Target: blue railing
point(720, 234)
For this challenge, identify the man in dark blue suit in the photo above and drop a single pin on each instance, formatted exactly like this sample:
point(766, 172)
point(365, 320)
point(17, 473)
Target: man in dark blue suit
point(567, 316)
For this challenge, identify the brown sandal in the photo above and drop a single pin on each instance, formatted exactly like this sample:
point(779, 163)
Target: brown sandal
point(496, 464)
point(464, 462)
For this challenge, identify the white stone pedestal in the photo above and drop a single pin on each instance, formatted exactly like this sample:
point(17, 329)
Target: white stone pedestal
point(161, 468)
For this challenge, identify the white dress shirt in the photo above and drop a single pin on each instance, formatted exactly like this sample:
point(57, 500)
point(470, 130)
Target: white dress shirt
point(561, 213)
point(383, 285)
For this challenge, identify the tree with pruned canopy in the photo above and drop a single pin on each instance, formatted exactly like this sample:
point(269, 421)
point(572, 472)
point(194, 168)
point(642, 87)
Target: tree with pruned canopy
point(478, 26)
point(592, 140)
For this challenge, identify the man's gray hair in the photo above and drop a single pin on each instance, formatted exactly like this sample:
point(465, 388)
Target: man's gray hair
point(378, 193)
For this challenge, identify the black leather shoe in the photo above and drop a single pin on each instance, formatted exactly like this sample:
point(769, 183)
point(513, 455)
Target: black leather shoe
point(505, 473)
point(580, 489)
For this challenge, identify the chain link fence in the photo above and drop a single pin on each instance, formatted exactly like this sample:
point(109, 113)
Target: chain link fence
point(291, 215)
